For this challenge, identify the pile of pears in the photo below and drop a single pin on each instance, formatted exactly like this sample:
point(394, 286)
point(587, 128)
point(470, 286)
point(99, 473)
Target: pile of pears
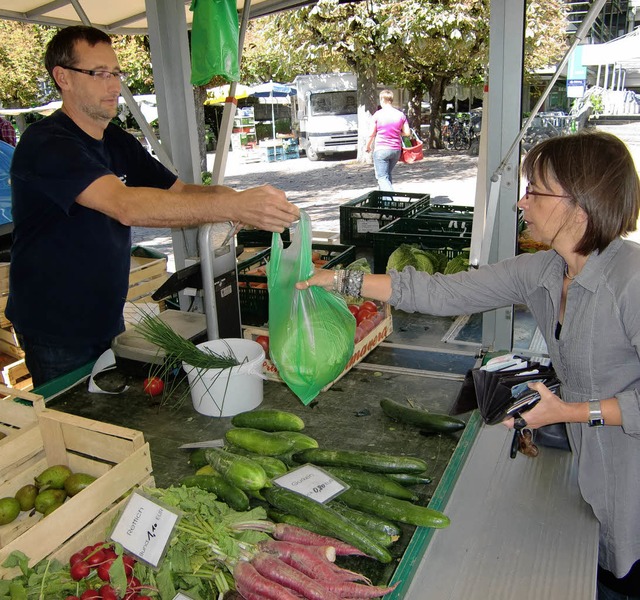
point(49, 490)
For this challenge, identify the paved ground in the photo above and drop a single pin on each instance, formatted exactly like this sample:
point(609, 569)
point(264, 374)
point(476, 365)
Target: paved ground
point(321, 187)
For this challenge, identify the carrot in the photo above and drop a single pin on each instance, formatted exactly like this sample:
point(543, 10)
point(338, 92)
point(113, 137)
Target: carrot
point(277, 570)
point(347, 589)
point(250, 582)
point(290, 533)
point(306, 561)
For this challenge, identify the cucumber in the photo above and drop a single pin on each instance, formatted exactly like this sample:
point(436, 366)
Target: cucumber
point(367, 461)
point(382, 530)
point(409, 478)
point(427, 421)
point(273, 467)
point(378, 483)
point(336, 525)
point(227, 492)
point(268, 419)
point(241, 471)
point(198, 458)
point(394, 509)
point(269, 443)
point(281, 517)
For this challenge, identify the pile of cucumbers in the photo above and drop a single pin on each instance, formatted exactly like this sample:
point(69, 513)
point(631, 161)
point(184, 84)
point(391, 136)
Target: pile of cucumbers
point(266, 443)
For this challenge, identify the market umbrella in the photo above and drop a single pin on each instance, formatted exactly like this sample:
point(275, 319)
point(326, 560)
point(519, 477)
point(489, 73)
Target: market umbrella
point(219, 94)
point(272, 90)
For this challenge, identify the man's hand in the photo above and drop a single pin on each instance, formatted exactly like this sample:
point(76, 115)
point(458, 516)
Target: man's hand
point(266, 208)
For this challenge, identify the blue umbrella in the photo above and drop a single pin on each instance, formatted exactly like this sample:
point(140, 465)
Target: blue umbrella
point(271, 89)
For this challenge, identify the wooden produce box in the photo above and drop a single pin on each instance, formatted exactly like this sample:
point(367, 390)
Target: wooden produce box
point(18, 409)
point(146, 275)
point(375, 337)
point(4, 292)
point(118, 456)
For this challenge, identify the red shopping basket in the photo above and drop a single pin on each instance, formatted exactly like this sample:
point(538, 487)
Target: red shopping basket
point(413, 154)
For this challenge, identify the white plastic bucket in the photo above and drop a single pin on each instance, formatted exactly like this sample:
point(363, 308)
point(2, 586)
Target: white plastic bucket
point(227, 392)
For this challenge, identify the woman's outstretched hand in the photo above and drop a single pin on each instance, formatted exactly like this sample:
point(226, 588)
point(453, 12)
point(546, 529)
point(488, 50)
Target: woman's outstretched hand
point(321, 278)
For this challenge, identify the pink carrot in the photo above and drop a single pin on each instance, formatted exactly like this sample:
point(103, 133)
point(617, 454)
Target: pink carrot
point(291, 533)
point(301, 558)
point(348, 589)
point(250, 582)
point(275, 569)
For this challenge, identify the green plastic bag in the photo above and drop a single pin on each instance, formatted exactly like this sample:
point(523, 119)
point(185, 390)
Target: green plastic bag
point(214, 41)
point(311, 331)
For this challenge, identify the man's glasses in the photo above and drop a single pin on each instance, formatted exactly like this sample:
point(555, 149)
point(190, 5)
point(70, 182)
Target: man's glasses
point(529, 192)
point(105, 75)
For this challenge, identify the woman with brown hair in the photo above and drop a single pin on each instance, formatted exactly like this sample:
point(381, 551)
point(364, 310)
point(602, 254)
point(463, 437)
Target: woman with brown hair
point(583, 196)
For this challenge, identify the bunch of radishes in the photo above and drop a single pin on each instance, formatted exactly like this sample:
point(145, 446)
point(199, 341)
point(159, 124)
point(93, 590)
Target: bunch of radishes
point(97, 560)
point(300, 563)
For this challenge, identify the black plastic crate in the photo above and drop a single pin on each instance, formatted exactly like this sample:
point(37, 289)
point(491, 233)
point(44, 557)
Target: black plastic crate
point(447, 219)
point(362, 217)
point(257, 238)
point(413, 231)
point(254, 301)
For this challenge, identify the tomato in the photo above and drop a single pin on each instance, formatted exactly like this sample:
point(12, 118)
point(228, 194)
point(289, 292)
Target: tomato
point(263, 340)
point(153, 386)
point(353, 309)
point(367, 326)
point(359, 334)
point(363, 314)
point(369, 305)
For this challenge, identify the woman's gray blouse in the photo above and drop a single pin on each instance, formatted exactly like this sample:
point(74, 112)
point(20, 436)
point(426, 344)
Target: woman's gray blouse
point(597, 356)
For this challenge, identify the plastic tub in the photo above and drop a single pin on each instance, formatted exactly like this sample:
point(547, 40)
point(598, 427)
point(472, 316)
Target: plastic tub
point(227, 392)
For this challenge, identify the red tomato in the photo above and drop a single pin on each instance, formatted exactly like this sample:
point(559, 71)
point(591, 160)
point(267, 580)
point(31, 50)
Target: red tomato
point(353, 309)
point(369, 305)
point(359, 334)
point(367, 326)
point(263, 340)
point(363, 314)
point(153, 386)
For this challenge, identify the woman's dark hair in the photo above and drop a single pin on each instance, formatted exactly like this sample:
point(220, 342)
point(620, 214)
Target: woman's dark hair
point(61, 48)
point(598, 173)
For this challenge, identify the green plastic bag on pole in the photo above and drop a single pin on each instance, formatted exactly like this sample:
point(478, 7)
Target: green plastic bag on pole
point(311, 331)
point(214, 41)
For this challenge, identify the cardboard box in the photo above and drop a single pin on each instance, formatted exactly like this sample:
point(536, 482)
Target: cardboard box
point(375, 337)
point(117, 456)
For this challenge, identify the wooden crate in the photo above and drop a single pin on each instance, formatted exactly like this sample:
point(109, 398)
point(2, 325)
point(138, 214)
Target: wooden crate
point(117, 456)
point(18, 409)
point(376, 336)
point(4, 292)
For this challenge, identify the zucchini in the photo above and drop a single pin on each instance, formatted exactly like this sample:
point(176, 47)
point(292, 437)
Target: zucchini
point(241, 471)
point(409, 478)
point(268, 419)
point(272, 466)
point(224, 490)
point(380, 529)
point(394, 509)
point(367, 461)
point(269, 443)
point(427, 421)
point(336, 525)
point(372, 482)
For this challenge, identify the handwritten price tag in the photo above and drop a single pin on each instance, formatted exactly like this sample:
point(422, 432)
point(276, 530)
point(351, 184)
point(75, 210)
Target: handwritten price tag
point(312, 482)
point(144, 528)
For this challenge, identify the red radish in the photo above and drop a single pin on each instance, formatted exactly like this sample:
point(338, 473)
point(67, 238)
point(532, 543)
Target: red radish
point(108, 593)
point(348, 589)
point(96, 558)
point(72, 598)
point(80, 570)
point(249, 581)
point(103, 570)
point(77, 557)
point(305, 560)
point(277, 570)
point(90, 595)
point(290, 533)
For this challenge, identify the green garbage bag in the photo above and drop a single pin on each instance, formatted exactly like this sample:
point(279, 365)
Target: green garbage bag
point(311, 331)
point(214, 41)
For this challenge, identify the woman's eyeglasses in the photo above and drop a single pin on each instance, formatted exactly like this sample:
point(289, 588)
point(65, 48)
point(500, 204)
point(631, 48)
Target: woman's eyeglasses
point(529, 192)
point(105, 75)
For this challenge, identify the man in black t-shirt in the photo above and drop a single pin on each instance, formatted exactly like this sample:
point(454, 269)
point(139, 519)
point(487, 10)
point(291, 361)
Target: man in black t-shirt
point(79, 183)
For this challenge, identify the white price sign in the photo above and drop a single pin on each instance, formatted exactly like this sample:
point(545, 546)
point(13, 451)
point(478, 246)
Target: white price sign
point(181, 596)
point(312, 482)
point(144, 528)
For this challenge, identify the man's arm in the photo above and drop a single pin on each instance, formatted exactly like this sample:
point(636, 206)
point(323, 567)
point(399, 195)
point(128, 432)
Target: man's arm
point(188, 205)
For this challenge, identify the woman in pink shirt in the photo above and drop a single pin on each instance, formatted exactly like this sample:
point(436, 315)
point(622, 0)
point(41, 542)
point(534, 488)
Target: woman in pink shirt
point(389, 125)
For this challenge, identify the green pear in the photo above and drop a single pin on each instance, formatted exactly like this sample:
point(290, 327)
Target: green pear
point(53, 477)
point(26, 496)
point(51, 508)
point(49, 497)
point(9, 510)
point(77, 482)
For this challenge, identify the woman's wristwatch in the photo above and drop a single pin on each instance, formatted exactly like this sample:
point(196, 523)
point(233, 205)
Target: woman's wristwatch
point(595, 414)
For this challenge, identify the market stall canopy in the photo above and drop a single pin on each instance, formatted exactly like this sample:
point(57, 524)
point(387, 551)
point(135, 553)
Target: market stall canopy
point(114, 16)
